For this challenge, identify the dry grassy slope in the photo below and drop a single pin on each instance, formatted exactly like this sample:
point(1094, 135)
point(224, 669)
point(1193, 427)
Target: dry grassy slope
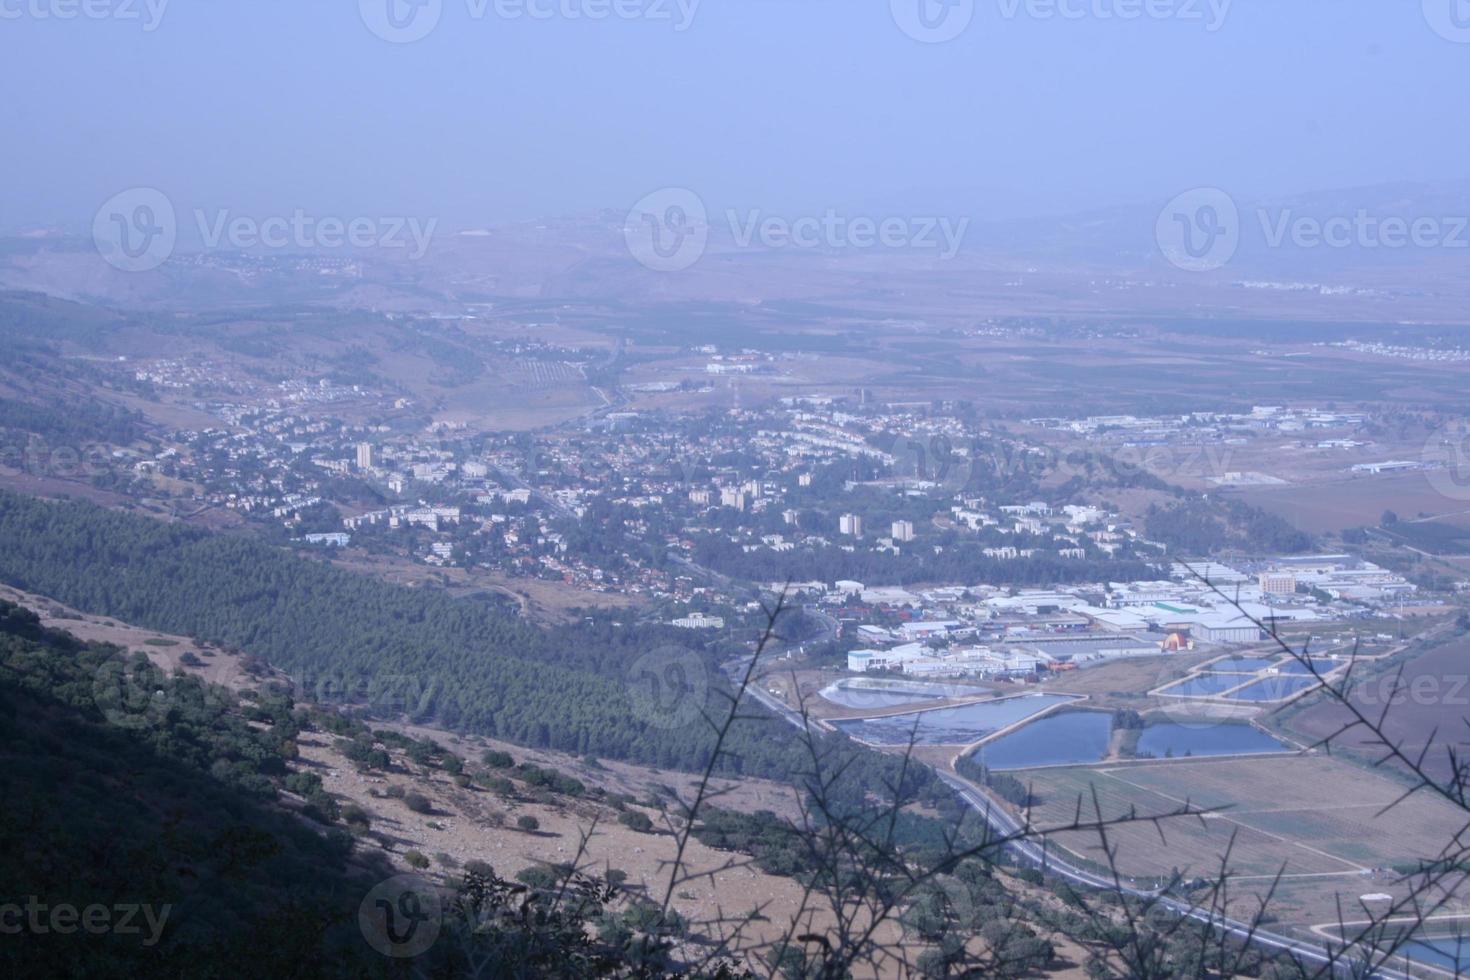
point(476, 824)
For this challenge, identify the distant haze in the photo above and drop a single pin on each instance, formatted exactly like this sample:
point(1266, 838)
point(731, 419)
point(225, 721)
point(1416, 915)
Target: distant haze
point(789, 106)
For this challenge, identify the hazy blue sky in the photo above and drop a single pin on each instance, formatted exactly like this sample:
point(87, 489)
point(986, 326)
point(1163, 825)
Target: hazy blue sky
point(271, 105)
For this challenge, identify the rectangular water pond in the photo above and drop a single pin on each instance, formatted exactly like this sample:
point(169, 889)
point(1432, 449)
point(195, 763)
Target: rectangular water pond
point(893, 694)
point(1204, 685)
point(949, 726)
point(1273, 688)
point(1164, 740)
point(1069, 738)
point(867, 697)
point(1240, 665)
point(1323, 666)
point(1450, 953)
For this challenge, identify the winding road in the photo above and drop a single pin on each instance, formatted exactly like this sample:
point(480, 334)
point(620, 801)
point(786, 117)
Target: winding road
point(1004, 824)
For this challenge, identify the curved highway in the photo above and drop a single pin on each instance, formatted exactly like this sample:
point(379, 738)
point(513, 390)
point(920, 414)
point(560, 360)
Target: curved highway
point(1006, 825)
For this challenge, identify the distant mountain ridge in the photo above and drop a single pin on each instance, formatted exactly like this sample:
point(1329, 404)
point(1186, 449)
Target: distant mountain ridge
point(585, 257)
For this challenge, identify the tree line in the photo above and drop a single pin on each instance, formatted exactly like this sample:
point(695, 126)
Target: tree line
point(379, 649)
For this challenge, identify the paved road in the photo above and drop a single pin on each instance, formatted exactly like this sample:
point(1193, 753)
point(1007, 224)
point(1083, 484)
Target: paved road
point(708, 574)
point(515, 481)
point(1006, 825)
point(831, 629)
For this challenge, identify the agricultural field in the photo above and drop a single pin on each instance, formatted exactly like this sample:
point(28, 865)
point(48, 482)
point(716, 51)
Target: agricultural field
point(1437, 537)
point(1426, 706)
point(1352, 501)
point(1323, 824)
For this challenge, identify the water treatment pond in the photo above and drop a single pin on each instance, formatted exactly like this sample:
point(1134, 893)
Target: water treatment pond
point(1204, 685)
point(1239, 665)
point(950, 726)
point(1450, 953)
point(1273, 688)
point(870, 697)
point(1323, 666)
point(1070, 738)
point(1171, 739)
point(893, 694)
point(1078, 738)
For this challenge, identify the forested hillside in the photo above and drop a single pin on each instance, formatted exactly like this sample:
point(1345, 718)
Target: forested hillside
point(456, 662)
point(1197, 526)
point(964, 563)
point(174, 817)
point(149, 836)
